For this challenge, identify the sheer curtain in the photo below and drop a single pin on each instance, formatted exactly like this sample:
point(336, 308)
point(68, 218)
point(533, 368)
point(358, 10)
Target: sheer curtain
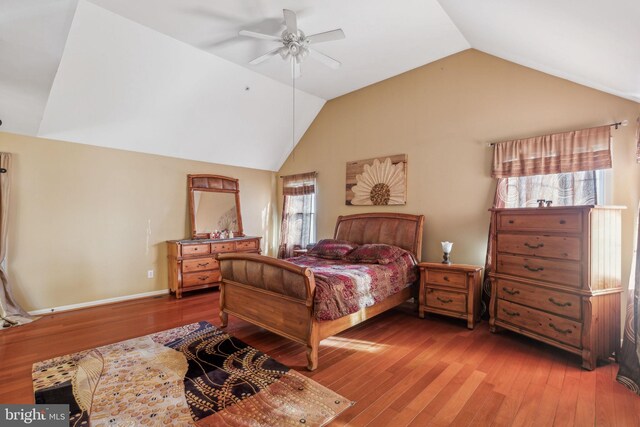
point(558, 167)
point(297, 228)
point(10, 311)
point(629, 357)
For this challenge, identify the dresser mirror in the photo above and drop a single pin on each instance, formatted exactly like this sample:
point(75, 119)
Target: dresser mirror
point(214, 204)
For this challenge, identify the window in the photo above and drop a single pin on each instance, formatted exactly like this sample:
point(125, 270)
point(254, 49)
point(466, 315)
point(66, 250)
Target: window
point(563, 189)
point(298, 226)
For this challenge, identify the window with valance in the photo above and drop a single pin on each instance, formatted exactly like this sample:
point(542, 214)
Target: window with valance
point(298, 226)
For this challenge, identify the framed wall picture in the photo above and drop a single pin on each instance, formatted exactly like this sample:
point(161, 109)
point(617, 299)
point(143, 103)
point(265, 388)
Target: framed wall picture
point(378, 181)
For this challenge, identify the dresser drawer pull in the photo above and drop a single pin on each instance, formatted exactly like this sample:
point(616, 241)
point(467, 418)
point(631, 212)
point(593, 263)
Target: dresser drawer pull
point(203, 278)
point(561, 331)
point(530, 246)
point(203, 264)
point(511, 291)
point(510, 221)
point(562, 221)
point(446, 278)
point(533, 268)
point(511, 313)
point(559, 304)
point(444, 301)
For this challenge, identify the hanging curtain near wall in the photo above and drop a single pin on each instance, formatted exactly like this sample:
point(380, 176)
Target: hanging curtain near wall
point(11, 313)
point(558, 167)
point(629, 357)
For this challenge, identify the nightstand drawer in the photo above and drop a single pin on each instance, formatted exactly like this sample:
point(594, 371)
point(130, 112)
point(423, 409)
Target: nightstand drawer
point(199, 264)
point(195, 249)
point(570, 222)
point(455, 279)
point(557, 328)
point(556, 302)
point(201, 278)
point(445, 300)
point(223, 247)
point(540, 245)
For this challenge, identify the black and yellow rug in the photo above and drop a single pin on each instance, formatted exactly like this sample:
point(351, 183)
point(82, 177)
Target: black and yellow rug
point(191, 375)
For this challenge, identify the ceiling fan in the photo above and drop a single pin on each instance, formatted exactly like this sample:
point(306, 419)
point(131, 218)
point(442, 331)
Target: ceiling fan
point(295, 44)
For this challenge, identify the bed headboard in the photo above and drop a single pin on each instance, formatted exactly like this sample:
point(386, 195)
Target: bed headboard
point(403, 230)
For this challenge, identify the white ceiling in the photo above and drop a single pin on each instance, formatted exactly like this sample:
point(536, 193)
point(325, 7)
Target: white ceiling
point(168, 76)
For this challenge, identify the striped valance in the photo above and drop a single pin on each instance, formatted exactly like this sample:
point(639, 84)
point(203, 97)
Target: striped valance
point(579, 150)
point(299, 184)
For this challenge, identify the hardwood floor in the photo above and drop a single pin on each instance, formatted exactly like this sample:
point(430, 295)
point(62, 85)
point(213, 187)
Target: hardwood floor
point(400, 370)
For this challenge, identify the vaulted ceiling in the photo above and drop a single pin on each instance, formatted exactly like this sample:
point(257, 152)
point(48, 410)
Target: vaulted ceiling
point(172, 77)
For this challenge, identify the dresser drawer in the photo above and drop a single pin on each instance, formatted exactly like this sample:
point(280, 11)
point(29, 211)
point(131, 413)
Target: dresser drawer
point(563, 272)
point(556, 302)
point(244, 245)
point(557, 328)
point(195, 249)
point(223, 247)
point(199, 264)
point(539, 245)
point(456, 279)
point(570, 222)
point(445, 300)
point(200, 278)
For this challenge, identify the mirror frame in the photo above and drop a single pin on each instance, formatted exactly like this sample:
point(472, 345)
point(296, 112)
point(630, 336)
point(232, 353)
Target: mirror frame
point(213, 184)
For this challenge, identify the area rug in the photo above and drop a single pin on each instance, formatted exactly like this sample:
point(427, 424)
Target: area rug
point(193, 375)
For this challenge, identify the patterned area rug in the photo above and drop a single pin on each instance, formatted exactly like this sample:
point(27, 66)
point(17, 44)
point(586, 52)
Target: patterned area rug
point(192, 375)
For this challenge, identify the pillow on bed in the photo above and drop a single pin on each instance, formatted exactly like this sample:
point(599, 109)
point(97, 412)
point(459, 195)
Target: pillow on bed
point(375, 253)
point(332, 249)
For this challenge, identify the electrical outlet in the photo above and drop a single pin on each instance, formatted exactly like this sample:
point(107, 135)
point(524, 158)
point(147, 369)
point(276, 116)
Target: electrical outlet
point(149, 274)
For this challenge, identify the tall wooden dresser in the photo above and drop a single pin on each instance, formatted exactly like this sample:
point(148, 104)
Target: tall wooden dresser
point(556, 277)
point(193, 264)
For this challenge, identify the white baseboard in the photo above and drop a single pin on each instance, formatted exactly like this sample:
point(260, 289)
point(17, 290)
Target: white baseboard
point(98, 302)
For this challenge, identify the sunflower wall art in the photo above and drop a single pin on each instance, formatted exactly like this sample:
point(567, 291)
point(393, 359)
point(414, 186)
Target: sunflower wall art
point(380, 181)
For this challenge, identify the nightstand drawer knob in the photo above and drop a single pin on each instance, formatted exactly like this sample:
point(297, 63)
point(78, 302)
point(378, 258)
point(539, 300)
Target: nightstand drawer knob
point(511, 313)
point(446, 278)
point(530, 246)
point(445, 301)
point(511, 291)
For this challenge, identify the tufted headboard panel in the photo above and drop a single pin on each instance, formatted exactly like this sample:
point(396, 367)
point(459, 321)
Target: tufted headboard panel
point(403, 230)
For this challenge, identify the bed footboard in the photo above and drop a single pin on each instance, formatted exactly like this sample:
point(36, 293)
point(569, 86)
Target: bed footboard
point(271, 293)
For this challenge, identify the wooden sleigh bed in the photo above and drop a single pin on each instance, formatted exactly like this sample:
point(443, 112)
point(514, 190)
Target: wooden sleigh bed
point(278, 295)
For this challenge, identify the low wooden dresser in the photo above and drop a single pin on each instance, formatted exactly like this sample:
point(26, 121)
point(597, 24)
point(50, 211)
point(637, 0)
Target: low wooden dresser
point(193, 264)
point(556, 277)
point(451, 289)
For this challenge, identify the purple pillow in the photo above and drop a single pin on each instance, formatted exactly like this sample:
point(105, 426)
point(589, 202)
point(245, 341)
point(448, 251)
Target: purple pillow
point(375, 253)
point(332, 249)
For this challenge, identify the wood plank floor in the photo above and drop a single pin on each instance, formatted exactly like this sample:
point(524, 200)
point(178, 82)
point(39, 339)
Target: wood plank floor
point(400, 370)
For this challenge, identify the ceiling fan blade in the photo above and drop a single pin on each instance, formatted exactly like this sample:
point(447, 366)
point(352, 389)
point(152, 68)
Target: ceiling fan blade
point(259, 35)
point(327, 36)
point(264, 57)
point(291, 21)
point(326, 60)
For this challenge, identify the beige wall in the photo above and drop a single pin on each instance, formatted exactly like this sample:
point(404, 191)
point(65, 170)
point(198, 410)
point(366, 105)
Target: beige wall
point(443, 115)
point(79, 217)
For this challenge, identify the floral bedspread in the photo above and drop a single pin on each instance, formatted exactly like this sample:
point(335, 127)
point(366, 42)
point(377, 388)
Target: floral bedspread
point(343, 288)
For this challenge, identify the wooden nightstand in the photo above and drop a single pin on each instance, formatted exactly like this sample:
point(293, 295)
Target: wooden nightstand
point(453, 290)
